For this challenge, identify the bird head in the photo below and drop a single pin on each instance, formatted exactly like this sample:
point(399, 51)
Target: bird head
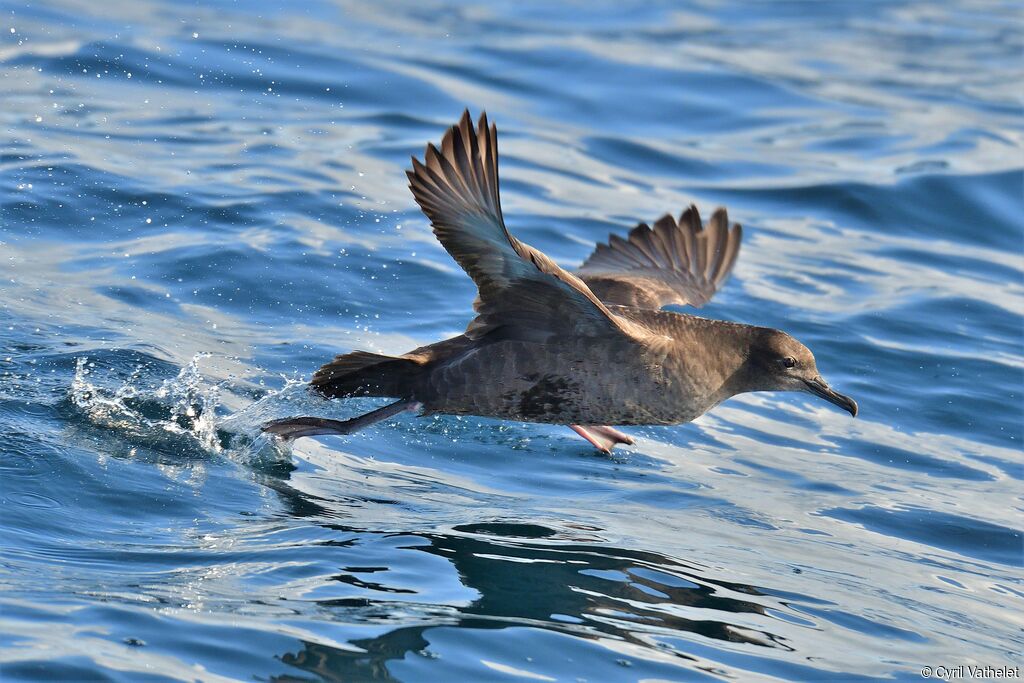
point(781, 363)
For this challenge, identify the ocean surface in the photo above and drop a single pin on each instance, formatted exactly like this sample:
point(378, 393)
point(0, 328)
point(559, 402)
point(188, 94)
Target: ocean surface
point(200, 203)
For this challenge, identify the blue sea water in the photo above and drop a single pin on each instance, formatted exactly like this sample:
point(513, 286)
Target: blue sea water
point(200, 203)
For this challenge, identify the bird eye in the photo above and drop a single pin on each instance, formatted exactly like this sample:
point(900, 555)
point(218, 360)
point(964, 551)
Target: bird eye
point(789, 362)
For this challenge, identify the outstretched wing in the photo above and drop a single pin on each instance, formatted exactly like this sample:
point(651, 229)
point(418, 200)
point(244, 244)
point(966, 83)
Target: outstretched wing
point(675, 262)
point(522, 292)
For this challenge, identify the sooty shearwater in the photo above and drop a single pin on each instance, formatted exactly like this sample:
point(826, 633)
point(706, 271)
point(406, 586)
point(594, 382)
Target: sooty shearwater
point(587, 349)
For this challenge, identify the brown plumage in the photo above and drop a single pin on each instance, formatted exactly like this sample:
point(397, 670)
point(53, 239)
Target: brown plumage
point(585, 349)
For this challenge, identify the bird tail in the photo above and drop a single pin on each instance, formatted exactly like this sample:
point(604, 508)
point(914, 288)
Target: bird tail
point(362, 373)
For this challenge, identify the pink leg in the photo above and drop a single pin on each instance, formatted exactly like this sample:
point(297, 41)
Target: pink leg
point(598, 441)
point(613, 434)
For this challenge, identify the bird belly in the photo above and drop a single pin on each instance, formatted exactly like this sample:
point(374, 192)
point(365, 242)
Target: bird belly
point(574, 382)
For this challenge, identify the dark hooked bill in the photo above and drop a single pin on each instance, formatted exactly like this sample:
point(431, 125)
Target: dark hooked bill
point(819, 387)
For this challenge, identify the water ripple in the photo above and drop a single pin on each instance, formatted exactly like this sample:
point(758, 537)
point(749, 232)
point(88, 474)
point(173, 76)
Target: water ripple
point(198, 205)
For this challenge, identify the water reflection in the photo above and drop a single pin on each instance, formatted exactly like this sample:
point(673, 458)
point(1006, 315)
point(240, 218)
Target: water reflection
point(526, 575)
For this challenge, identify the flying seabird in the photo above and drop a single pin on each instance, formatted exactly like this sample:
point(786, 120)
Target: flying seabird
point(588, 349)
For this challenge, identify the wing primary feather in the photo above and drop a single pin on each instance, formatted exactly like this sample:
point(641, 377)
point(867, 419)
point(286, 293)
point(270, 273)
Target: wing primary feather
point(640, 237)
point(679, 245)
point(675, 262)
point(716, 235)
point(732, 249)
point(691, 220)
point(663, 229)
point(520, 290)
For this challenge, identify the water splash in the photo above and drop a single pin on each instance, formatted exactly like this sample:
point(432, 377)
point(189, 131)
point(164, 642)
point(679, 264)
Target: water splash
point(194, 404)
point(185, 412)
point(292, 398)
point(185, 405)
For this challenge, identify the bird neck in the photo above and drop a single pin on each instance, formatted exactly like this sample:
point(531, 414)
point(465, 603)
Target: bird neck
point(728, 346)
